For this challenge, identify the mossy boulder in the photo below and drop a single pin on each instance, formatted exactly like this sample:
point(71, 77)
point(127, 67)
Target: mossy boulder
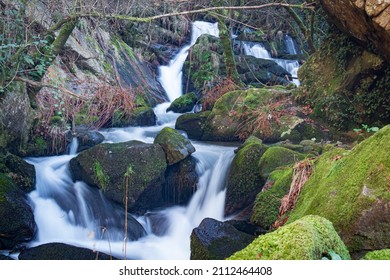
point(60, 251)
point(21, 172)
point(192, 124)
point(106, 166)
point(87, 138)
point(243, 180)
point(17, 224)
point(175, 145)
point(215, 240)
point(266, 207)
point(184, 103)
point(378, 255)
point(351, 189)
point(141, 116)
point(346, 85)
point(309, 238)
point(275, 157)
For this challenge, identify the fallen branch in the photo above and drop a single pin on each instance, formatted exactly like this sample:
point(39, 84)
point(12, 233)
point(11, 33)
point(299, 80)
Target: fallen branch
point(40, 85)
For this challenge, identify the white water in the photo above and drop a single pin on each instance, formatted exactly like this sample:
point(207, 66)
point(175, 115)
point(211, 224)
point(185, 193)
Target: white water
point(291, 66)
point(171, 75)
point(74, 213)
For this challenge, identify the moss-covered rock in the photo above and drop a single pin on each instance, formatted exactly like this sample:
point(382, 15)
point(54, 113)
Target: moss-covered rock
point(346, 85)
point(243, 180)
point(192, 124)
point(107, 165)
point(351, 189)
point(17, 223)
point(175, 145)
point(378, 255)
point(184, 103)
point(141, 116)
point(266, 208)
point(276, 157)
point(309, 238)
point(215, 240)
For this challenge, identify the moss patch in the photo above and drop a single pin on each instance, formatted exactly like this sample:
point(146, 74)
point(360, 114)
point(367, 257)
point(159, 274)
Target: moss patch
point(309, 238)
point(378, 255)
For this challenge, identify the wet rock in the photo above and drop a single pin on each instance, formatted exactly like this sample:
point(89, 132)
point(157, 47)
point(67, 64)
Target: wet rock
point(309, 238)
point(22, 173)
point(215, 240)
point(87, 138)
point(107, 166)
point(17, 224)
point(60, 251)
point(184, 103)
point(244, 181)
point(192, 124)
point(175, 145)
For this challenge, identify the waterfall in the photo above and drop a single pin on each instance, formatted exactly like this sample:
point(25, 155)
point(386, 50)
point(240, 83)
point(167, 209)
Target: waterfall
point(77, 214)
point(171, 75)
point(257, 50)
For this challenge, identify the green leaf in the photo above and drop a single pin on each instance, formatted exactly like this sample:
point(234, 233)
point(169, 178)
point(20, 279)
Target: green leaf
point(29, 60)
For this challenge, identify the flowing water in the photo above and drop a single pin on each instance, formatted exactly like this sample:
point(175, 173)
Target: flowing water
point(75, 213)
point(257, 50)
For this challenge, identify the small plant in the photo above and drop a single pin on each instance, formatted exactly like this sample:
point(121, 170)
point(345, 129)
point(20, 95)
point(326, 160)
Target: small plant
point(366, 128)
point(101, 176)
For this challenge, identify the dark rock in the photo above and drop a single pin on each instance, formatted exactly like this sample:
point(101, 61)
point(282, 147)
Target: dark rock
point(5, 258)
point(108, 165)
point(244, 180)
point(181, 182)
point(215, 240)
point(17, 223)
point(87, 138)
point(192, 124)
point(175, 145)
point(184, 103)
point(246, 227)
point(22, 173)
point(142, 116)
point(60, 251)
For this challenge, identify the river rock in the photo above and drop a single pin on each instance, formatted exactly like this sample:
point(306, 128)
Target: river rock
point(107, 166)
point(215, 240)
point(192, 124)
point(60, 251)
point(87, 138)
point(351, 189)
point(276, 157)
point(266, 207)
point(17, 224)
point(243, 179)
point(180, 182)
point(175, 145)
point(141, 116)
point(310, 238)
point(21, 172)
point(184, 103)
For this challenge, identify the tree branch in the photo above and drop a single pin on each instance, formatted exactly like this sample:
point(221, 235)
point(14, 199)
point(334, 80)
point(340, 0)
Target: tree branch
point(204, 10)
point(40, 85)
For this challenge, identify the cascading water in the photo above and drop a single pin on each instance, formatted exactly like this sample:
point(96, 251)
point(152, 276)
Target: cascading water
point(74, 213)
point(291, 66)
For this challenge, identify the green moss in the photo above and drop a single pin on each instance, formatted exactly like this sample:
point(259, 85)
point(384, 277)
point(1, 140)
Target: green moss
point(345, 185)
point(184, 103)
point(102, 178)
point(6, 185)
point(266, 208)
point(378, 255)
point(276, 157)
point(309, 238)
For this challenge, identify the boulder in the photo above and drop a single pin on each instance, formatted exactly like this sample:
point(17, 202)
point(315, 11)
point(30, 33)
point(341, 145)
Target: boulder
point(243, 180)
point(87, 138)
point(192, 124)
point(21, 172)
point(141, 116)
point(175, 145)
point(215, 240)
point(266, 207)
point(276, 157)
point(309, 238)
point(184, 103)
point(60, 251)
point(17, 224)
point(107, 166)
point(367, 21)
point(180, 182)
point(351, 189)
